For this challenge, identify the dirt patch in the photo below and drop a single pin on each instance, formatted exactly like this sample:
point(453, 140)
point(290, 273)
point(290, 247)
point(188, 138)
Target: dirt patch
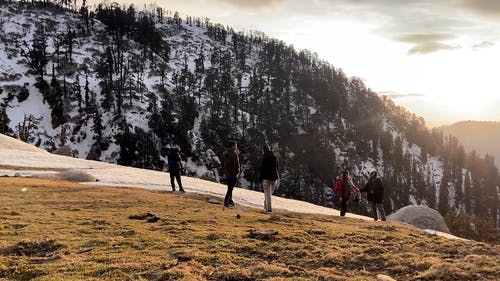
point(43, 248)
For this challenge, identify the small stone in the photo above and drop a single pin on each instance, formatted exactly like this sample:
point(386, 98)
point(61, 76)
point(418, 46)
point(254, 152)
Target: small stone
point(214, 201)
point(263, 234)
point(382, 277)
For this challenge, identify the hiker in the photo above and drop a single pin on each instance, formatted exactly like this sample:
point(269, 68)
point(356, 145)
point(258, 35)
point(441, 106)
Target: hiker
point(175, 167)
point(342, 187)
point(231, 165)
point(375, 194)
point(268, 175)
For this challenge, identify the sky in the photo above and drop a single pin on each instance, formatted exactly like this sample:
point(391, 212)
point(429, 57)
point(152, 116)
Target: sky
point(439, 59)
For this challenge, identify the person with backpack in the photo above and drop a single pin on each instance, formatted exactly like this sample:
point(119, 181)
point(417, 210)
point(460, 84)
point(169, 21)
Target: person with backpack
point(231, 167)
point(268, 175)
point(375, 194)
point(175, 167)
point(342, 188)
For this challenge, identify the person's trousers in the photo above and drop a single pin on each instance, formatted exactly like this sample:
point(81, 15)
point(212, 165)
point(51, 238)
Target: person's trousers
point(231, 182)
point(269, 186)
point(380, 208)
point(343, 205)
point(175, 175)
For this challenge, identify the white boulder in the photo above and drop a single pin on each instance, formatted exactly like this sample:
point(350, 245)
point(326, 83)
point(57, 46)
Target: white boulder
point(421, 217)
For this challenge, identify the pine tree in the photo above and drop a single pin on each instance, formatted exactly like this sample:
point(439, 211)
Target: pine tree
point(97, 126)
point(443, 197)
point(37, 53)
point(4, 122)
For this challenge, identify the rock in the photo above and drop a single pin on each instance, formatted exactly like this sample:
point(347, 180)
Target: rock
point(317, 231)
point(153, 219)
point(263, 234)
point(76, 175)
point(214, 201)
point(64, 150)
point(382, 277)
point(421, 217)
point(71, 175)
point(141, 216)
point(128, 233)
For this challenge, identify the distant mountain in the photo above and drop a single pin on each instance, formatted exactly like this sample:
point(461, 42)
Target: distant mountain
point(481, 136)
point(120, 85)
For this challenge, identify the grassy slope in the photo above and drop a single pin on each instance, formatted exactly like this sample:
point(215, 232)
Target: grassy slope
point(56, 230)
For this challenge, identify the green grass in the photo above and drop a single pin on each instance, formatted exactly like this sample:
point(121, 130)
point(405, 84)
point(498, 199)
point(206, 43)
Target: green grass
point(56, 230)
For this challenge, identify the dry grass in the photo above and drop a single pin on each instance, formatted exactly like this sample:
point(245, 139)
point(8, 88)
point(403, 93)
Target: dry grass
point(56, 230)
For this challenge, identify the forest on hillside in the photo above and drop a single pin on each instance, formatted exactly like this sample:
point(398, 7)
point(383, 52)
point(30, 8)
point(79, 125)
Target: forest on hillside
point(129, 83)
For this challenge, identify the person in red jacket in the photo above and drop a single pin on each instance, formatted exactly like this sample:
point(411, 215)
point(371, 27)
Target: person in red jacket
point(342, 187)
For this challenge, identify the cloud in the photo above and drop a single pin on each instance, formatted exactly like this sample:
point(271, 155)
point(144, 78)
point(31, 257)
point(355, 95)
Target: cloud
point(483, 44)
point(431, 47)
point(254, 4)
point(427, 43)
point(424, 38)
point(490, 8)
point(395, 95)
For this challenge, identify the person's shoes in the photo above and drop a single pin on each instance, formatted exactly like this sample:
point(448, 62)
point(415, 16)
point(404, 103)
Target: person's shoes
point(173, 189)
point(229, 205)
point(182, 190)
point(267, 211)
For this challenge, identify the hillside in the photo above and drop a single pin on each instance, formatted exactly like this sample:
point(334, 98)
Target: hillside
point(55, 230)
point(121, 85)
point(481, 136)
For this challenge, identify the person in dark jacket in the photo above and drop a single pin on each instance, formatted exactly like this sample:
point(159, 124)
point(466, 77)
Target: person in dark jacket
point(342, 187)
point(231, 165)
point(175, 167)
point(268, 175)
point(375, 194)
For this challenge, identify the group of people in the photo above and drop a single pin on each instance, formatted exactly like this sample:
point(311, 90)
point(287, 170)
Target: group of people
point(269, 176)
point(345, 189)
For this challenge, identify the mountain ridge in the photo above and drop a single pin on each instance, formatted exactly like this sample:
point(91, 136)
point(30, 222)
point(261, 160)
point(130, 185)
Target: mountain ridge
point(481, 136)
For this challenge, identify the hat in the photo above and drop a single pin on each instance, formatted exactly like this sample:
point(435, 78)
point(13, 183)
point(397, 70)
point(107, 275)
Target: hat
point(344, 172)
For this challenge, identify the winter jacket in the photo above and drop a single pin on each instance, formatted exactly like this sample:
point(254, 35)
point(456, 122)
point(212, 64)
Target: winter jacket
point(374, 190)
point(342, 187)
point(174, 160)
point(231, 163)
point(269, 167)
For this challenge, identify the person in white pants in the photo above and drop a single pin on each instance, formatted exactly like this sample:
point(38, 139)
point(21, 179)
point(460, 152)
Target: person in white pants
point(268, 175)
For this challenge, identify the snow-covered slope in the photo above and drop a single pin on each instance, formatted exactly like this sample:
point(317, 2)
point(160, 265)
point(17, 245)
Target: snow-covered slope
point(34, 161)
point(30, 162)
